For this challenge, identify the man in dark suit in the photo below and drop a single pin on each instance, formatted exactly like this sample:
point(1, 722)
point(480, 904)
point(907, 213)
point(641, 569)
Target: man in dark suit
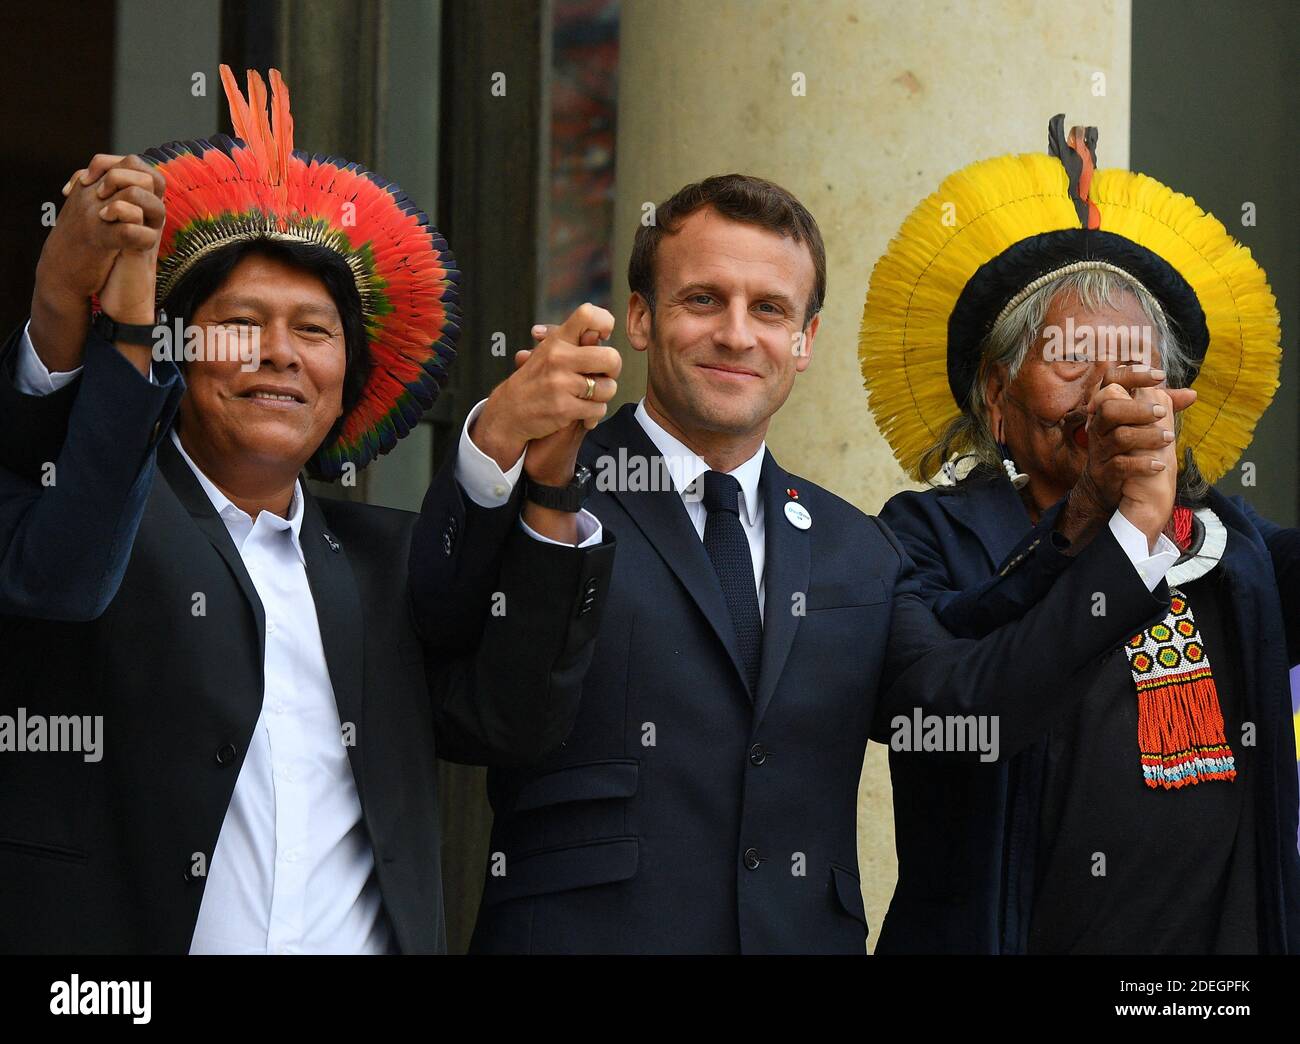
point(223, 697)
point(758, 630)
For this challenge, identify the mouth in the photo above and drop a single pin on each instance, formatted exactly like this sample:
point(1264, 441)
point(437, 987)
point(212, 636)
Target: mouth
point(731, 374)
point(1075, 427)
point(273, 397)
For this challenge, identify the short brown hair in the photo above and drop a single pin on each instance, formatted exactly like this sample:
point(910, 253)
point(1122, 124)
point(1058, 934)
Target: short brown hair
point(740, 198)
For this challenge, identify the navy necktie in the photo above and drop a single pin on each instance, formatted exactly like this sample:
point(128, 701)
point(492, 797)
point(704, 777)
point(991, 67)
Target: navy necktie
point(728, 550)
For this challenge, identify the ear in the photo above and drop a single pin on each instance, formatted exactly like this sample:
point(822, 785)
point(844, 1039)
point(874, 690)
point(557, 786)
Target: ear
point(638, 322)
point(995, 386)
point(803, 351)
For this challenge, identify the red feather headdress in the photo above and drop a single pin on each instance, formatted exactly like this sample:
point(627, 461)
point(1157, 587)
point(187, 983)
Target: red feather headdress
point(257, 186)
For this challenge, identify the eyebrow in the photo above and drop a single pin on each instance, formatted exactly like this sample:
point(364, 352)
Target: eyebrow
point(775, 296)
point(306, 309)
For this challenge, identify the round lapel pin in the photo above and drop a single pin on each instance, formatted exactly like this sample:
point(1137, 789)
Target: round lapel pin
point(798, 515)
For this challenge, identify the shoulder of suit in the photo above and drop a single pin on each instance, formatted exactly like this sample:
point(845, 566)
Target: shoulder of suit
point(351, 517)
point(825, 505)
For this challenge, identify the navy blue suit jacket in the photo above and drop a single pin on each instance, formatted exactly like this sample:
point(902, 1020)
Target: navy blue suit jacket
point(967, 833)
point(682, 816)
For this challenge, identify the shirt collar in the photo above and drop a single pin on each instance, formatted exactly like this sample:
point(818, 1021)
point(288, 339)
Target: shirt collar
point(231, 512)
point(685, 465)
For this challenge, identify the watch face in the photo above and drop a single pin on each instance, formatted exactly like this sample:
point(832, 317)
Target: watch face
point(582, 476)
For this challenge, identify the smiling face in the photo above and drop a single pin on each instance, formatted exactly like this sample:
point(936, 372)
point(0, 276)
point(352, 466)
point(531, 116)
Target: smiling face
point(1040, 414)
point(727, 335)
point(277, 415)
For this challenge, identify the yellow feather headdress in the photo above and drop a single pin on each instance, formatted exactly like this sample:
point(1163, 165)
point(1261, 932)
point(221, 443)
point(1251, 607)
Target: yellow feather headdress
point(969, 247)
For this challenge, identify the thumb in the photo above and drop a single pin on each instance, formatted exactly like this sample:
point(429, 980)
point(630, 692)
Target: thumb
point(1181, 398)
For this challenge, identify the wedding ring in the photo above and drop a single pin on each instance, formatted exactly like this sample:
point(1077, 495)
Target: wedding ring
point(591, 389)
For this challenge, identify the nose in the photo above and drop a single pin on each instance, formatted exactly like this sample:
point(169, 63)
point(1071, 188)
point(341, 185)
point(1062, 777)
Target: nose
point(276, 347)
point(733, 330)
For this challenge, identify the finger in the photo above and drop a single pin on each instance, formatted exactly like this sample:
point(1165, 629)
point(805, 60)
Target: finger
point(591, 358)
point(602, 388)
point(99, 165)
point(586, 317)
point(1131, 377)
point(1181, 398)
point(1135, 465)
point(1114, 412)
point(152, 209)
point(76, 176)
point(593, 414)
point(521, 357)
point(122, 210)
point(132, 237)
point(1129, 439)
point(542, 331)
point(121, 177)
point(139, 163)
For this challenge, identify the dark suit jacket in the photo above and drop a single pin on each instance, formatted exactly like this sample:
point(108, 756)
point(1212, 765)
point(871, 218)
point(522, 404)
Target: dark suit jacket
point(682, 816)
point(99, 579)
point(967, 834)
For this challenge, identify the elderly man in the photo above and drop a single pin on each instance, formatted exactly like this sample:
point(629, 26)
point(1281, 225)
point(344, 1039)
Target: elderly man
point(1159, 815)
point(266, 677)
point(758, 628)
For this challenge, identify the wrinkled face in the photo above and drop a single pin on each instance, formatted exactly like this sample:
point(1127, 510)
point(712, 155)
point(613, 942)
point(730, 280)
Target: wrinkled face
point(1042, 412)
point(280, 411)
point(727, 337)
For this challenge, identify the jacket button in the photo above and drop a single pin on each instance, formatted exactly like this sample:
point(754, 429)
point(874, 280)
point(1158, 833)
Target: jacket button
point(752, 859)
point(226, 753)
point(757, 755)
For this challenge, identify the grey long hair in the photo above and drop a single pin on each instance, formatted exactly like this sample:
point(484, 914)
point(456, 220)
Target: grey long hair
point(970, 436)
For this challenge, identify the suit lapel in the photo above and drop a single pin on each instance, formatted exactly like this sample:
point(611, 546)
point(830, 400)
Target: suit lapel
point(993, 511)
point(785, 573)
point(196, 502)
point(662, 517)
point(338, 612)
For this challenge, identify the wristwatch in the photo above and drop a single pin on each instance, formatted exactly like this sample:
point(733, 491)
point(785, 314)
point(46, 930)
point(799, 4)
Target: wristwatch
point(112, 331)
point(561, 498)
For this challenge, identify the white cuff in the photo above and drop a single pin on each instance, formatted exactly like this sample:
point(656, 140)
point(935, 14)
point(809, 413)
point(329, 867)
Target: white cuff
point(1151, 566)
point(479, 475)
point(590, 531)
point(30, 375)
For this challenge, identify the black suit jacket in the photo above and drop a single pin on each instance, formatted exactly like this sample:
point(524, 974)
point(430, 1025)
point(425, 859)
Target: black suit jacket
point(679, 815)
point(102, 856)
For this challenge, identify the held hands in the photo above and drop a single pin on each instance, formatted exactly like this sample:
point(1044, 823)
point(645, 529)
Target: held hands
point(1132, 461)
point(104, 242)
point(544, 407)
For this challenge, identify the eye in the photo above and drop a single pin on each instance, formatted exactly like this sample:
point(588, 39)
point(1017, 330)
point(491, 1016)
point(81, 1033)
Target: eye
point(770, 308)
point(701, 299)
point(237, 320)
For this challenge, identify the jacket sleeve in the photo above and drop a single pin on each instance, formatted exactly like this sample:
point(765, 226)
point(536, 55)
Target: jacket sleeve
point(457, 551)
point(76, 468)
point(1020, 581)
point(514, 698)
point(1284, 549)
point(1023, 673)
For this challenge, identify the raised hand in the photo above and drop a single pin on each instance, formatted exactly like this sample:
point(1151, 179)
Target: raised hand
point(101, 217)
point(1132, 464)
point(548, 395)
